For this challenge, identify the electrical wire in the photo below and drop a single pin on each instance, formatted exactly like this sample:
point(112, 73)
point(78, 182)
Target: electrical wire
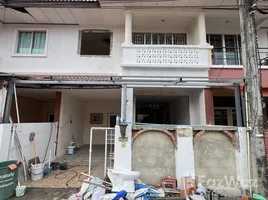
point(70, 116)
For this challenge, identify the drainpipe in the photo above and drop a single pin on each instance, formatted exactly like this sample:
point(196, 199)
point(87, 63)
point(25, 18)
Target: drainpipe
point(124, 103)
point(10, 93)
point(248, 144)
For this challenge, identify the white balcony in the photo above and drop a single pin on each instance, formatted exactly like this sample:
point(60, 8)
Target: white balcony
point(166, 56)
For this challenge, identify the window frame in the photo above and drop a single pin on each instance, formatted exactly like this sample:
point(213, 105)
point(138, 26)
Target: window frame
point(229, 114)
point(94, 30)
point(16, 40)
point(224, 48)
point(158, 34)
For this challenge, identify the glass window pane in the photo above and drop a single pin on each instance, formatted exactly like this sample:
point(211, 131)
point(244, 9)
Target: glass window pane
point(231, 50)
point(217, 51)
point(24, 42)
point(148, 39)
point(168, 38)
point(221, 117)
point(179, 39)
point(138, 38)
point(39, 41)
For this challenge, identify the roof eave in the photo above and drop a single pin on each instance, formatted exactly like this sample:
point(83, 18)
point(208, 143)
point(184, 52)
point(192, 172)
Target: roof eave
point(51, 4)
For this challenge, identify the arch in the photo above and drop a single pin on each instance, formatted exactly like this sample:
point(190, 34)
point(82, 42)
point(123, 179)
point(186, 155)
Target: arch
point(171, 136)
point(230, 135)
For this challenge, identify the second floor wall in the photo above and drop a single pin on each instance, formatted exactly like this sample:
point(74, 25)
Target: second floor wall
point(99, 49)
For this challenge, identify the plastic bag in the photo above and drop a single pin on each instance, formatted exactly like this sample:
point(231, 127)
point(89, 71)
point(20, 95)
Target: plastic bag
point(98, 193)
point(108, 196)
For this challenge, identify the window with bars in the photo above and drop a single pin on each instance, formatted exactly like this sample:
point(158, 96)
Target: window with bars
point(225, 116)
point(159, 38)
point(227, 49)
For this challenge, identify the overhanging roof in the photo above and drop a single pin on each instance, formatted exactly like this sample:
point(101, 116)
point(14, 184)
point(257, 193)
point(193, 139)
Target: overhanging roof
point(130, 81)
point(52, 3)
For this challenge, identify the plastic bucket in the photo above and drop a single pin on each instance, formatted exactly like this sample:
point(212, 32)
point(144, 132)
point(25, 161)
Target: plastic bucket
point(37, 172)
point(20, 191)
point(71, 150)
point(8, 179)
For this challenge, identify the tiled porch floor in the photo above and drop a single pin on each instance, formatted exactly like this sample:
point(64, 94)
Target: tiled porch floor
point(77, 163)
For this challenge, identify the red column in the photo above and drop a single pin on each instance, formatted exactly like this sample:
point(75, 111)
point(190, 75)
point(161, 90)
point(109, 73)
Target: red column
point(209, 106)
point(57, 117)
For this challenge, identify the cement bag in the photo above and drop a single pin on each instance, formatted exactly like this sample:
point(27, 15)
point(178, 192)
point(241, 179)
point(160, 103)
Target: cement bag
point(108, 196)
point(98, 193)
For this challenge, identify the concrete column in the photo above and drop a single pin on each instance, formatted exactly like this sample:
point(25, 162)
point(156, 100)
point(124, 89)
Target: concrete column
point(201, 28)
point(127, 104)
point(242, 158)
point(128, 28)
point(209, 106)
point(184, 154)
point(122, 149)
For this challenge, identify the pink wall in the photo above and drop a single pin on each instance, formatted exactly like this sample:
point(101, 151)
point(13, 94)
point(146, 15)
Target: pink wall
point(238, 73)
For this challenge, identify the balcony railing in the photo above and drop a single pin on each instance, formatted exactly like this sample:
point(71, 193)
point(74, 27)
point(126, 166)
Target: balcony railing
point(226, 56)
point(166, 56)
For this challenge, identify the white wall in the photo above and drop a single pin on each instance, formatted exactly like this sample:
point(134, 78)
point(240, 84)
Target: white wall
point(42, 132)
point(105, 107)
point(62, 56)
point(71, 122)
point(197, 108)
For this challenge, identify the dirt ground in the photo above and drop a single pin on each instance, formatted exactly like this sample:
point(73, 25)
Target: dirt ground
point(46, 194)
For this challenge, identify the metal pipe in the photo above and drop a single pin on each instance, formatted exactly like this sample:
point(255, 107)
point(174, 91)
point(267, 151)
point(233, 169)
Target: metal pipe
point(90, 144)
point(124, 102)
point(105, 154)
point(117, 76)
point(90, 151)
point(165, 86)
point(238, 105)
point(17, 106)
point(243, 110)
point(8, 102)
point(119, 83)
point(248, 144)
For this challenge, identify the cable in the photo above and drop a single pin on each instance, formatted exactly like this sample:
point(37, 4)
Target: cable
point(70, 116)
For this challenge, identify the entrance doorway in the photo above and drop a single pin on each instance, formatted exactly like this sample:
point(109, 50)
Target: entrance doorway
point(153, 112)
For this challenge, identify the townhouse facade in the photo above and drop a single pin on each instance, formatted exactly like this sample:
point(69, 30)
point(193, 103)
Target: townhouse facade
point(83, 63)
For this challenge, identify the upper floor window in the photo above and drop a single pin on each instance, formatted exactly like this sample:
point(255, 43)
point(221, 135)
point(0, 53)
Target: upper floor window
point(31, 43)
point(159, 38)
point(227, 49)
point(95, 42)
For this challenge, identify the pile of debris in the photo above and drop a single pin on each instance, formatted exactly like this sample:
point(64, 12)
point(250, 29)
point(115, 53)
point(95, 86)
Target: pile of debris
point(94, 188)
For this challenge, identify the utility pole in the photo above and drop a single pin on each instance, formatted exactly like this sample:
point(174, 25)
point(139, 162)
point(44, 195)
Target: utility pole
point(253, 92)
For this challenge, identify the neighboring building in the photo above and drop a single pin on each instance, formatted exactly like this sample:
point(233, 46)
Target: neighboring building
point(191, 41)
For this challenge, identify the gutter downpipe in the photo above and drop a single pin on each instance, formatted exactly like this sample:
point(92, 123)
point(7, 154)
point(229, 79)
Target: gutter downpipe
point(248, 143)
